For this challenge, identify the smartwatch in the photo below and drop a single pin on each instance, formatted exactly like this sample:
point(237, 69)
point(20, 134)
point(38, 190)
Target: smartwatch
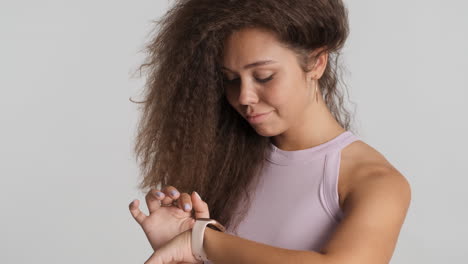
point(198, 232)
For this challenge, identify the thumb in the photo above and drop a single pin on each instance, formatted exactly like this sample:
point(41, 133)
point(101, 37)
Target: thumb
point(199, 206)
point(135, 211)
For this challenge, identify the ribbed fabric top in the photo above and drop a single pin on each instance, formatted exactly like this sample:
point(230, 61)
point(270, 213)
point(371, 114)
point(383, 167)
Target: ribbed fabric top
point(295, 204)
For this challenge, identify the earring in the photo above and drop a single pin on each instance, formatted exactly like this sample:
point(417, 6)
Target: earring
point(316, 95)
point(316, 84)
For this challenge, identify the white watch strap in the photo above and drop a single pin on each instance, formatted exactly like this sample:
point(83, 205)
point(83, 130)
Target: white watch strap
point(198, 232)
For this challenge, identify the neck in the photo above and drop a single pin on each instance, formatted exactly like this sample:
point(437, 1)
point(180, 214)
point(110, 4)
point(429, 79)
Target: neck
point(315, 127)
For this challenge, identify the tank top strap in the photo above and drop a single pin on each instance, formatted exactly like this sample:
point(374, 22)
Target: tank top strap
point(328, 190)
point(347, 139)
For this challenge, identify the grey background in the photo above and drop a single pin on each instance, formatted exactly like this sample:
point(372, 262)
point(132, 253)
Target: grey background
point(67, 172)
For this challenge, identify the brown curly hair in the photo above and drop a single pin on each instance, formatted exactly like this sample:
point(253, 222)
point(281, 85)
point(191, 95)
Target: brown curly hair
point(189, 136)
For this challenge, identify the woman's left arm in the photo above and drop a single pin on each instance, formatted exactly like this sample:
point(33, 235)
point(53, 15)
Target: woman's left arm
point(375, 209)
point(224, 248)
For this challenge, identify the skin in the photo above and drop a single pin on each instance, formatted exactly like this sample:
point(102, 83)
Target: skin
point(367, 181)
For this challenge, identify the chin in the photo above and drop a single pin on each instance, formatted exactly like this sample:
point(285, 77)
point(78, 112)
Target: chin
point(265, 132)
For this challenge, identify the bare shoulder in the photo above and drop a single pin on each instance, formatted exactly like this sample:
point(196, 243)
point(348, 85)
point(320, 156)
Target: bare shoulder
point(375, 198)
point(358, 162)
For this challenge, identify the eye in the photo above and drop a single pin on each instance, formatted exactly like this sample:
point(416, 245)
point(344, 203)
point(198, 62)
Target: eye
point(266, 79)
point(259, 80)
point(226, 80)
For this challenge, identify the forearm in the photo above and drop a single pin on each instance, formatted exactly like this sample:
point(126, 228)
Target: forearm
point(223, 248)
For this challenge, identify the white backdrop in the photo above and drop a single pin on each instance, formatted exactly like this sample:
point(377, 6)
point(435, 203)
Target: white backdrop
point(67, 171)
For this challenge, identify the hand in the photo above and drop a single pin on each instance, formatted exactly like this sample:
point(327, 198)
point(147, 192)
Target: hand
point(176, 251)
point(166, 222)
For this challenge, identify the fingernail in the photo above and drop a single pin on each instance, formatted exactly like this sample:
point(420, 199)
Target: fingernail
point(198, 195)
point(159, 194)
point(186, 206)
point(174, 192)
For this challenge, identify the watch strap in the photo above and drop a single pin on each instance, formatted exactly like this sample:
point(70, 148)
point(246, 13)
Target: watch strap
point(198, 232)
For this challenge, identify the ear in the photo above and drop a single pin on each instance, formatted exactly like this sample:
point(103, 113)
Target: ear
point(319, 65)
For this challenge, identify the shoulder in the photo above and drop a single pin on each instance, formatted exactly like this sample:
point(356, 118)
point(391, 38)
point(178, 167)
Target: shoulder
point(375, 204)
point(361, 164)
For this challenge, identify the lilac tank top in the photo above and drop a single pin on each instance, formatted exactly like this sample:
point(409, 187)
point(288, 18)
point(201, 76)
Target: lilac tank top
point(295, 204)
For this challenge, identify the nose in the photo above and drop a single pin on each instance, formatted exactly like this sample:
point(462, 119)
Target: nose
point(247, 94)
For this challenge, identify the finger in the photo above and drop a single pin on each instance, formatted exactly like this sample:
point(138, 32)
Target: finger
point(135, 211)
point(153, 200)
point(171, 194)
point(185, 202)
point(153, 259)
point(199, 206)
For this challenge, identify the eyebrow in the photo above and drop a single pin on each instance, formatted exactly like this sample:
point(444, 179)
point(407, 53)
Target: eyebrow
point(251, 65)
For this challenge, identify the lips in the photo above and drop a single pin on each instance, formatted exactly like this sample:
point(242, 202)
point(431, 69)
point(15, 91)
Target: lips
point(258, 118)
point(255, 115)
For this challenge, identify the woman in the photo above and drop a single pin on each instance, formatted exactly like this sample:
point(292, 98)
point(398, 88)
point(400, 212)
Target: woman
point(242, 105)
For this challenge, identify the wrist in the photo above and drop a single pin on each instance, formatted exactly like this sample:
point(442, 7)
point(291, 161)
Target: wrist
point(208, 236)
point(202, 229)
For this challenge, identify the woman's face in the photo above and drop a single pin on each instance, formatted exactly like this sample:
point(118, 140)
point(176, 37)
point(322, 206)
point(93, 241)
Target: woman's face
point(263, 77)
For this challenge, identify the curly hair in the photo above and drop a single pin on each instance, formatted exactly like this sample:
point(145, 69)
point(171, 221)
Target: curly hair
point(189, 136)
